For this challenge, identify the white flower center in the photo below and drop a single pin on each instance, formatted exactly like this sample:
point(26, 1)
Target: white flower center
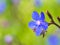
point(38, 22)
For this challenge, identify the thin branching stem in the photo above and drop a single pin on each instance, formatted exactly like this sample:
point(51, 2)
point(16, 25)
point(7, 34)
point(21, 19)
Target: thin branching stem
point(52, 21)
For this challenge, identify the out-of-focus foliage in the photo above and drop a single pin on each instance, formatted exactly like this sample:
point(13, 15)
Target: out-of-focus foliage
point(19, 17)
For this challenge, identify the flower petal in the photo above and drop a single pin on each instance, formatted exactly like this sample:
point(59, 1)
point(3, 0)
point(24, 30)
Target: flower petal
point(53, 40)
point(35, 15)
point(32, 24)
point(38, 31)
point(42, 16)
point(44, 25)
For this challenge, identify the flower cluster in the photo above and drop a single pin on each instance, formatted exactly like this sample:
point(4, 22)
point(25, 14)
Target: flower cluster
point(38, 23)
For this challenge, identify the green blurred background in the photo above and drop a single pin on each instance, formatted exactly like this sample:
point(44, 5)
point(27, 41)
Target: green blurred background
point(19, 19)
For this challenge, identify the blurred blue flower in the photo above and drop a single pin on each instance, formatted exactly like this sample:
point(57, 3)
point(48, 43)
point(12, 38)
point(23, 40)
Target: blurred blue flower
point(37, 3)
point(8, 38)
point(53, 40)
point(58, 1)
point(2, 6)
point(38, 23)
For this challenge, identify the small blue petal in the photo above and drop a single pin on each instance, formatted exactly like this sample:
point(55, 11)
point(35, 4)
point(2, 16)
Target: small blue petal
point(44, 25)
point(2, 6)
point(53, 40)
point(35, 15)
point(32, 24)
point(38, 31)
point(42, 16)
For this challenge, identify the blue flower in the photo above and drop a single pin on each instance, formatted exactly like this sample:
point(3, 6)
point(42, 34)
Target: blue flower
point(2, 5)
point(53, 40)
point(38, 23)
